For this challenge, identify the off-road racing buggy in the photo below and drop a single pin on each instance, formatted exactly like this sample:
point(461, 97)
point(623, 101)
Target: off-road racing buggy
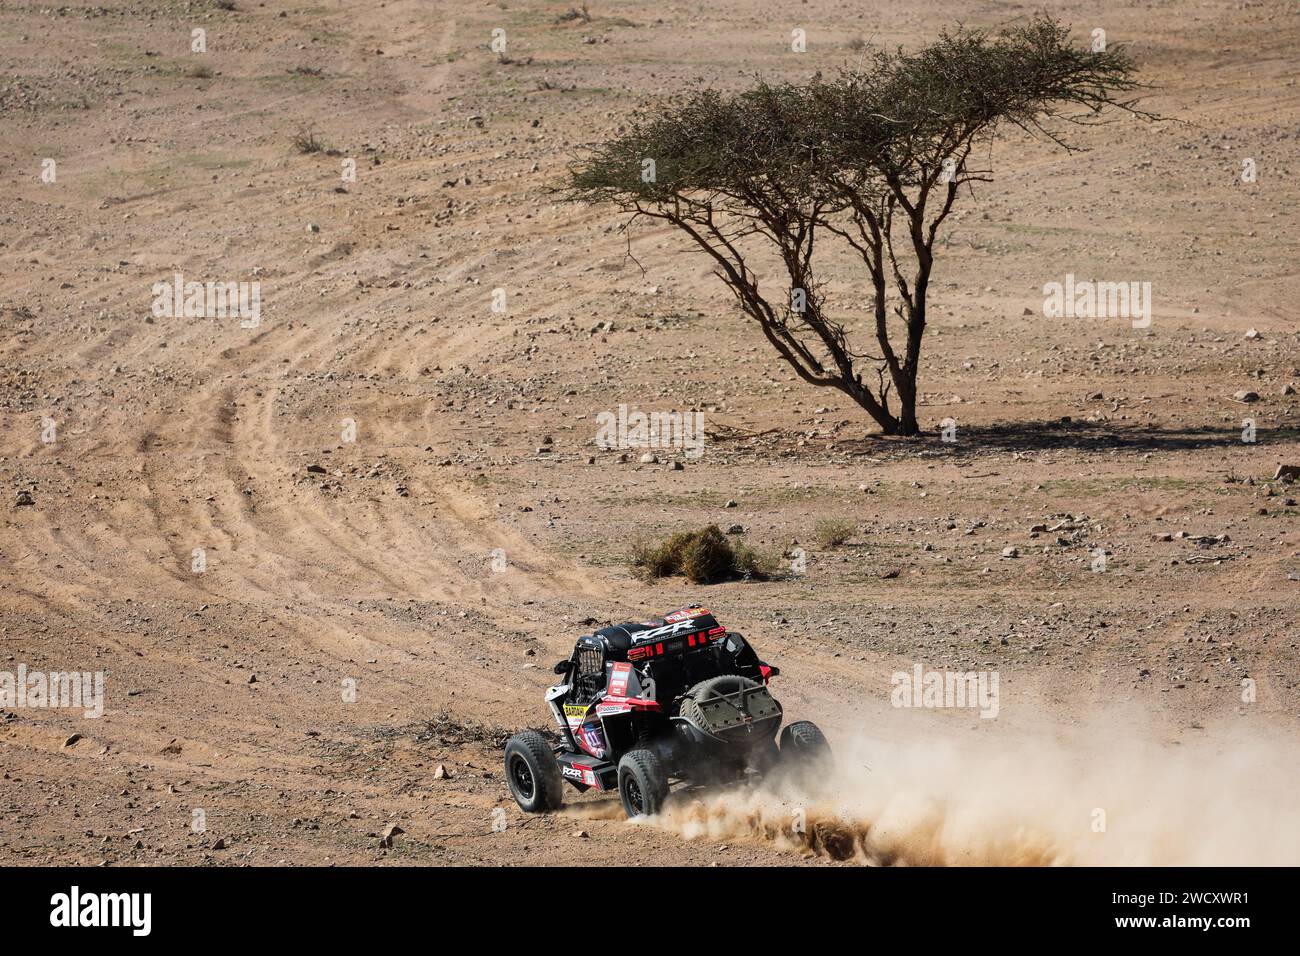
point(642, 705)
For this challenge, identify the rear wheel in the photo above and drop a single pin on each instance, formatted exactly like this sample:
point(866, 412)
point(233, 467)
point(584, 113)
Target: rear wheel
point(803, 744)
point(642, 783)
point(533, 773)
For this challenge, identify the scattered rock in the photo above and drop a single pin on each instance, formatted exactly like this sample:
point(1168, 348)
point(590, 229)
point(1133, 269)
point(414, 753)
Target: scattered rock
point(71, 740)
point(1246, 396)
point(386, 841)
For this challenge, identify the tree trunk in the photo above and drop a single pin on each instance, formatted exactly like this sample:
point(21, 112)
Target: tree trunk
point(889, 425)
point(907, 423)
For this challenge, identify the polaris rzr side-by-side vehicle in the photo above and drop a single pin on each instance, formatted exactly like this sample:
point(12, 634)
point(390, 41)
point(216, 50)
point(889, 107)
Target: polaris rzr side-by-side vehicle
point(642, 705)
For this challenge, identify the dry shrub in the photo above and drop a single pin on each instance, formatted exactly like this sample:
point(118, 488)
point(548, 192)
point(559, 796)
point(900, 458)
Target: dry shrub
point(306, 142)
point(703, 557)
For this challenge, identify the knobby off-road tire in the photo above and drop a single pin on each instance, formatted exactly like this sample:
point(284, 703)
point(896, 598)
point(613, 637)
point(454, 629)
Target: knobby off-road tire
point(642, 783)
point(804, 745)
point(533, 773)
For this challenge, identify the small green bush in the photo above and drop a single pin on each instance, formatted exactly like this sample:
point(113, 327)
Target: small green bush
point(831, 532)
point(754, 565)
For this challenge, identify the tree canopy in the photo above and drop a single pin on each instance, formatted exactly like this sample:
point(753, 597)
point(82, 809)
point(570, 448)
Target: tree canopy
point(874, 158)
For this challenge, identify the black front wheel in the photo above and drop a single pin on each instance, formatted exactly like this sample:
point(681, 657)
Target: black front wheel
point(642, 783)
point(533, 773)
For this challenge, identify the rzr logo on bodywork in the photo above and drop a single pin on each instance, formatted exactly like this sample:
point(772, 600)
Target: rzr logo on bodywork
point(668, 630)
point(584, 775)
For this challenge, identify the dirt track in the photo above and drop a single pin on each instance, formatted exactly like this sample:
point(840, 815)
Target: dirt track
point(176, 434)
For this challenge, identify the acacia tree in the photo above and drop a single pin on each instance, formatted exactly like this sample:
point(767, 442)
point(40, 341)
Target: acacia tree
point(873, 159)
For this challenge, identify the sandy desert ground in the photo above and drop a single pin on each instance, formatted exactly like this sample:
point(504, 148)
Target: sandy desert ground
point(373, 563)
